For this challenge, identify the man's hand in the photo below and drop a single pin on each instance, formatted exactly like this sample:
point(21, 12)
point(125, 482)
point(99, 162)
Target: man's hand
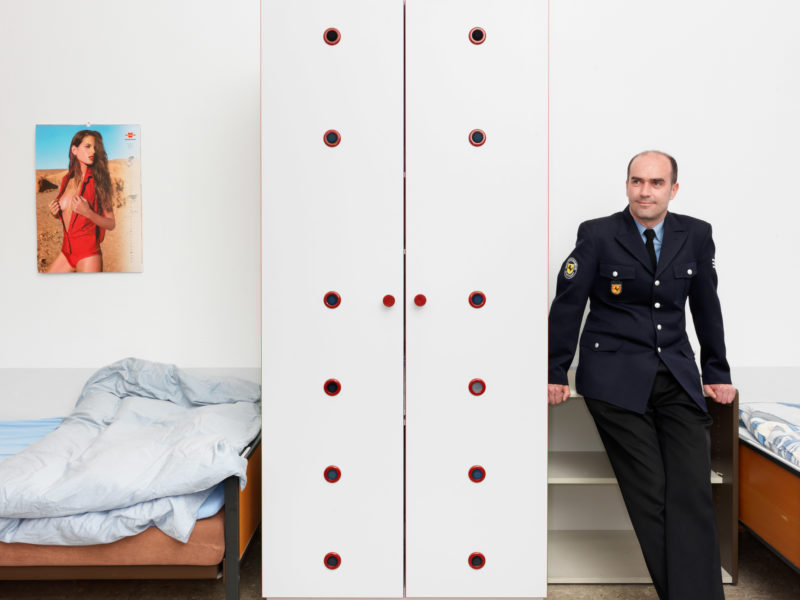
point(723, 393)
point(556, 393)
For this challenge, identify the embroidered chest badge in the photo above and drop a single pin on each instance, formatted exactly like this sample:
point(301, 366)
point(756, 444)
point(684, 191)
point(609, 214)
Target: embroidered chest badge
point(616, 287)
point(571, 268)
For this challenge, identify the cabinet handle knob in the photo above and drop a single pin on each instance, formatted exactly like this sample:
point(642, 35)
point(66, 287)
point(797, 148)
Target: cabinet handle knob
point(388, 300)
point(420, 299)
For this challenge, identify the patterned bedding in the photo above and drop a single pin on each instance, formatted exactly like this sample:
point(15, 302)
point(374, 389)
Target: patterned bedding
point(774, 426)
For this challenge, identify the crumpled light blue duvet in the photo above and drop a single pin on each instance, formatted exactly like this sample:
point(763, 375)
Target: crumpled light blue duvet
point(145, 444)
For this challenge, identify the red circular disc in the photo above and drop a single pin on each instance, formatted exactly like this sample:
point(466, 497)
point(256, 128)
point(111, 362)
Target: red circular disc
point(476, 560)
point(477, 35)
point(332, 36)
point(332, 387)
point(477, 137)
point(477, 387)
point(332, 474)
point(332, 138)
point(332, 299)
point(388, 300)
point(477, 473)
point(477, 299)
point(420, 300)
point(332, 560)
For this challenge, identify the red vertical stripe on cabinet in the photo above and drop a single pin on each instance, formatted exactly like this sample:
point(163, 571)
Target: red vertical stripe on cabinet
point(405, 299)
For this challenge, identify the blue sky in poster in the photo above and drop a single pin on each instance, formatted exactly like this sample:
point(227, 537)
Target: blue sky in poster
point(52, 143)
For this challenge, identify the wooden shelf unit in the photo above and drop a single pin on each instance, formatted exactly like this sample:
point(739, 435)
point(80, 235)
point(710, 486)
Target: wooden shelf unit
point(590, 537)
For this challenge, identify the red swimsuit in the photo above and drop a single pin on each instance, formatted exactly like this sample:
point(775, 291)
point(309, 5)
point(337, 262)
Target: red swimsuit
point(82, 238)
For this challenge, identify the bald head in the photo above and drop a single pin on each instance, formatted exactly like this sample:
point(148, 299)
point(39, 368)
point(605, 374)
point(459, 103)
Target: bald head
point(673, 163)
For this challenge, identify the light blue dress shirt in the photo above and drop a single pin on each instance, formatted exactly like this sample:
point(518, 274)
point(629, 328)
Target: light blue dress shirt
point(659, 229)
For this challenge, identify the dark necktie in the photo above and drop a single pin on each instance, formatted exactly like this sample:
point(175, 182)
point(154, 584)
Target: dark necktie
point(651, 248)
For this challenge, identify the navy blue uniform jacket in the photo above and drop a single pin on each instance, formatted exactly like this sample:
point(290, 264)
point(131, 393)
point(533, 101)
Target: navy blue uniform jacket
point(637, 316)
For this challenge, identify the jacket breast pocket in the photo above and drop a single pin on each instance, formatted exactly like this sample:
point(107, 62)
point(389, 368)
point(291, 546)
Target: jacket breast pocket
point(616, 280)
point(684, 273)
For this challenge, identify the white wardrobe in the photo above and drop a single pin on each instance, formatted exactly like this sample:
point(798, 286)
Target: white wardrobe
point(404, 295)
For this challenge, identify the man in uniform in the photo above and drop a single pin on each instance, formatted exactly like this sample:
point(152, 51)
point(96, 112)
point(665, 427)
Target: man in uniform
point(637, 370)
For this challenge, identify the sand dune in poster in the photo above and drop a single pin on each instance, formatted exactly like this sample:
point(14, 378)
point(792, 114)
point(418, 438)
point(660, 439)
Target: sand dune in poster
point(122, 246)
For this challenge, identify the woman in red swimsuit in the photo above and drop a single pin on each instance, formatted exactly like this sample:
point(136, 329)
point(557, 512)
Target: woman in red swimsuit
point(83, 204)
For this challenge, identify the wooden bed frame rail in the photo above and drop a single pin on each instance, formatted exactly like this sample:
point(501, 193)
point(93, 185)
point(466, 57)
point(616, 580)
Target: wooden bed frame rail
point(770, 503)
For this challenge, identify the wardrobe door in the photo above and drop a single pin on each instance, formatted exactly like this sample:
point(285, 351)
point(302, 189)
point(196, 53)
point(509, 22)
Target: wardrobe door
point(476, 228)
point(332, 156)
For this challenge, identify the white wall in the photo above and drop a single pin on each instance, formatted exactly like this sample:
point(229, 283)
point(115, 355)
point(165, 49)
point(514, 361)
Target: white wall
point(188, 72)
point(716, 84)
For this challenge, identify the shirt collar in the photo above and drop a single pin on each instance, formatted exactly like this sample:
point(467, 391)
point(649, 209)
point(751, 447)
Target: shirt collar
point(659, 229)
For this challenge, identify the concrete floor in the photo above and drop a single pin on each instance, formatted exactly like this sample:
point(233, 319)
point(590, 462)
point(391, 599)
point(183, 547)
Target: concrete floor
point(762, 576)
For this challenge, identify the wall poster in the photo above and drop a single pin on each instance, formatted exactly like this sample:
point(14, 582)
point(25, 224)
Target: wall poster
point(88, 198)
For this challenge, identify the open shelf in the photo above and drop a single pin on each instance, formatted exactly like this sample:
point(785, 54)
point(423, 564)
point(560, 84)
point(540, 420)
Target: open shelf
point(590, 537)
point(598, 556)
point(590, 468)
point(579, 468)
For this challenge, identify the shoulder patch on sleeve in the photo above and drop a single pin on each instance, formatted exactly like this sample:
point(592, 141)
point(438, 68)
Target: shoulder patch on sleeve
point(571, 268)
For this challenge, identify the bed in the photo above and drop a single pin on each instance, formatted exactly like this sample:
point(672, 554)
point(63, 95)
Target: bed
point(769, 476)
point(227, 519)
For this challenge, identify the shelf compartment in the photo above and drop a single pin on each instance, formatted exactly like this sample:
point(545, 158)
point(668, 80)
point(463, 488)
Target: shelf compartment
point(598, 556)
point(592, 468)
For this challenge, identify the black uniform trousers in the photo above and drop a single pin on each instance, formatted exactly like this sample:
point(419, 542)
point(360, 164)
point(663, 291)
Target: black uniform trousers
point(662, 462)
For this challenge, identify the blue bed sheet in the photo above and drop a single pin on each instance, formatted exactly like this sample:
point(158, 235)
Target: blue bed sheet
point(16, 435)
point(19, 434)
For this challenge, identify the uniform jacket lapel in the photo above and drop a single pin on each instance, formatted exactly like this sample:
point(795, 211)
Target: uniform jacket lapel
point(674, 238)
point(630, 239)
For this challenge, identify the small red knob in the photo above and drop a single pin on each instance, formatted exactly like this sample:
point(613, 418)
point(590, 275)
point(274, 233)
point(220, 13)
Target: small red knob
point(388, 300)
point(420, 300)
